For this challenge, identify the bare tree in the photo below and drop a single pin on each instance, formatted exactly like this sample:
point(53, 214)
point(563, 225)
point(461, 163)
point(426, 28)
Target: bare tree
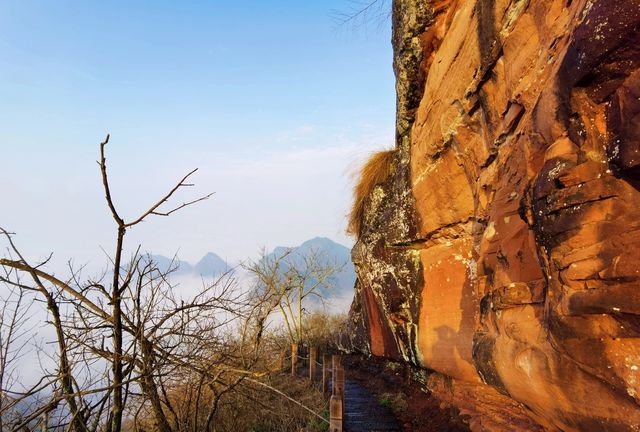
point(15, 306)
point(131, 353)
point(288, 281)
point(125, 338)
point(64, 374)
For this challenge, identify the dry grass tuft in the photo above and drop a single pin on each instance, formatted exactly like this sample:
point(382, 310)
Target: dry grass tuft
point(374, 172)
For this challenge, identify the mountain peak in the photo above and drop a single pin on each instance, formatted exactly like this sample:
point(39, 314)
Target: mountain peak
point(210, 265)
point(321, 241)
point(328, 251)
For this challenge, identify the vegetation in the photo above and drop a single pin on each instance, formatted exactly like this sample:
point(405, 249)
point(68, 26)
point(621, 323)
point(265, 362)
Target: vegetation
point(374, 172)
point(288, 281)
point(322, 329)
point(396, 402)
point(250, 408)
point(132, 355)
point(362, 13)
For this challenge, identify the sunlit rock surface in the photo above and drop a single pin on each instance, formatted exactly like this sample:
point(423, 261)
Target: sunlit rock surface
point(504, 251)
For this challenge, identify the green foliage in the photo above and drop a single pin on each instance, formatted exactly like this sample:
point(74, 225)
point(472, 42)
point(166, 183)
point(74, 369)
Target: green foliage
point(384, 402)
point(397, 402)
point(317, 425)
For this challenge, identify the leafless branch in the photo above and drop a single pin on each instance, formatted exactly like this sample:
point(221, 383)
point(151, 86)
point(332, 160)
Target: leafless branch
point(359, 13)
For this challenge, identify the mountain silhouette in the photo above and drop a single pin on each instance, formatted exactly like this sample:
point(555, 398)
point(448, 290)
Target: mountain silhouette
point(164, 263)
point(211, 265)
point(328, 252)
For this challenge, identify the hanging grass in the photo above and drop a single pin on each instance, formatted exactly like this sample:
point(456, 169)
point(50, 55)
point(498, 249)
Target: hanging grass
point(374, 172)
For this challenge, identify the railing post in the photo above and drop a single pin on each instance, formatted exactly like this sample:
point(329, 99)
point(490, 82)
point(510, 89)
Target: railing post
point(325, 374)
point(339, 381)
point(335, 414)
point(313, 355)
point(336, 403)
point(335, 361)
point(340, 390)
point(335, 365)
point(294, 358)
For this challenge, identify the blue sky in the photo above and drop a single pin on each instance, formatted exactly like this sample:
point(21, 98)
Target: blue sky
point(273, 102)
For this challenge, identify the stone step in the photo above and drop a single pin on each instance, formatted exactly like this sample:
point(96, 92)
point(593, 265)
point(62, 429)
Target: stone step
point(363, 412)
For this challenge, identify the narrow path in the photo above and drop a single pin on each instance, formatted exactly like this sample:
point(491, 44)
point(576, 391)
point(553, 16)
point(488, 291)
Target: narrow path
point(363, 412)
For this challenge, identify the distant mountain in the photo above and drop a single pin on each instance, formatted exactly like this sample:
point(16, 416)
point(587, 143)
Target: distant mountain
point(328, 252)
point(211, 265)
point(163, 263)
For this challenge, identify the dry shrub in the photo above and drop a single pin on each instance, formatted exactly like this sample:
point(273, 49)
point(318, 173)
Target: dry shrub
point(248, 408)
point(374, 172)
point(321, 328)
point(256, 409)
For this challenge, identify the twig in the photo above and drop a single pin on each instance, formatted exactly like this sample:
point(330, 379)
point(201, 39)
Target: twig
point(105, 182)
point(152, 210)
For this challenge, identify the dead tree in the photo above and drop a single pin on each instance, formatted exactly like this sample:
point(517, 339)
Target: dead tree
point(15, 305)
point(289, 280)
point(130, 353)
point(124, 339)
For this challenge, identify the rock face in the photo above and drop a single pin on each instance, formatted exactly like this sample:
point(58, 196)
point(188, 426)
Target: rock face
point(503, 253)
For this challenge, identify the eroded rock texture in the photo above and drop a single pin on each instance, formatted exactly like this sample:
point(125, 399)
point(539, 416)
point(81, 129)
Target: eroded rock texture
point(504, 251)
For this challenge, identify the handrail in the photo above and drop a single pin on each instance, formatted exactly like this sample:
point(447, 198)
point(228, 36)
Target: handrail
point(330, 365)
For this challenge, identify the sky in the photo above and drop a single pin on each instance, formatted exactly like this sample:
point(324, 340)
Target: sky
point(274, 102)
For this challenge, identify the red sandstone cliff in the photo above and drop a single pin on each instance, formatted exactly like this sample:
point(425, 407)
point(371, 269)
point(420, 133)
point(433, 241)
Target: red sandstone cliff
point(503, 250)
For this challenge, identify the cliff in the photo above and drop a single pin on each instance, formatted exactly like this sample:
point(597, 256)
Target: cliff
point(500, 252)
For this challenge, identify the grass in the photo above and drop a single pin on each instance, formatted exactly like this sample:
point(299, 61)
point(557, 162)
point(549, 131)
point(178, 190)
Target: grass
point(374, 172)
point(396, 402)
